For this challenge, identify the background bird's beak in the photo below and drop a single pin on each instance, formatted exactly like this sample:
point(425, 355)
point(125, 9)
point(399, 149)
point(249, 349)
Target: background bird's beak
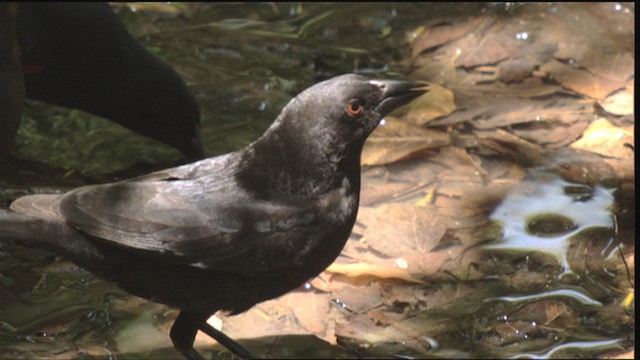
point(397, 93)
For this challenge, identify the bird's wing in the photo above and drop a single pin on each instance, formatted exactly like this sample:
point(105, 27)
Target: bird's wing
point(201, 223)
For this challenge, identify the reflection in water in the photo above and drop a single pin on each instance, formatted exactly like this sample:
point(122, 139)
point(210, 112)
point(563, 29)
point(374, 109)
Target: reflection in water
point(548, 199)
point(591, 345)
point(583, 299)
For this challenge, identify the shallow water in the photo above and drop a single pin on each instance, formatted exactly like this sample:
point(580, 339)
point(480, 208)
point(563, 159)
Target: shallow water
point(244, 62)
point(546, 279)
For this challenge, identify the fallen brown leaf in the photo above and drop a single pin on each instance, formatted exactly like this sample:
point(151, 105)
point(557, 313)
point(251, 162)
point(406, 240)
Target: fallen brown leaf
point(621, 102)
point(438, 102)
point(364, 269)
point(397, 140)
point(581, 81)
point(515, 69)
point(396, 230)
point(601, 137)
point(442, 33)
point(491, 49)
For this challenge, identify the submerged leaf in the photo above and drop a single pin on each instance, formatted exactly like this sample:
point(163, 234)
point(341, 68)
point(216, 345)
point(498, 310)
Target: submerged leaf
point(601, 137)
point(581, 81)
point(440, 34)
point(396, 230)
point(397, 140)
point(438, 102)
point(620, 103)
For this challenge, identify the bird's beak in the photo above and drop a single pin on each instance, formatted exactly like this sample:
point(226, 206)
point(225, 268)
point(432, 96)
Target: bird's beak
point(396, 93)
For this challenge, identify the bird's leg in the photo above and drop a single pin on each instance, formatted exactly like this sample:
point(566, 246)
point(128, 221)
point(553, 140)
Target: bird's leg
point(227, 342)
point(183, 333)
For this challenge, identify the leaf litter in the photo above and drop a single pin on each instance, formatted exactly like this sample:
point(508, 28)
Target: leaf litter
point(509, 97)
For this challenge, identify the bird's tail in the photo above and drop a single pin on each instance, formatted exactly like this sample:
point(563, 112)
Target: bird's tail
point(51, 235)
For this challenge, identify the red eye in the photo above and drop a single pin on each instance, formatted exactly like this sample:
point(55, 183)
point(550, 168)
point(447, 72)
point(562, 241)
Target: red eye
point(354, 108)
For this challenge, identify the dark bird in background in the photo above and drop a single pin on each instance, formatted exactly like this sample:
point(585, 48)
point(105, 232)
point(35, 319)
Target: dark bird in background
point(81, 56)
point(228, 232)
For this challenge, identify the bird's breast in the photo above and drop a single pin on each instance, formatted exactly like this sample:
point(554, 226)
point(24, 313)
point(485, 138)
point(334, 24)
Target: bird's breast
point(340, 205)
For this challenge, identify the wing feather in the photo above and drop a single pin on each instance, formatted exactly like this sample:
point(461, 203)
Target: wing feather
point(184, 217)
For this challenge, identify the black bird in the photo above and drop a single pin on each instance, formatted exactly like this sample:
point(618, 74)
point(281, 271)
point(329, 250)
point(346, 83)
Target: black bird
point(81, 56)
point(228, 232)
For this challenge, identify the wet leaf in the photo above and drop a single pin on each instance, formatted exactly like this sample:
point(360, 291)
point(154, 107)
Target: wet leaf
point(437, 71)
point(442, 33)
point(359, 299)
point(397, 181)
point(397, 140)
point(454, 157)
point(620, 103)
point(581, 81)
point(601, 137)
point(501, 105)
point(438, 102)
point(298, 312)
point(396, 293)
point(542, 312)
point(515, 70)
point(396, 230)
point(331, 282)
point(521, 150)
point(587, 167)
point(550, 134)
point(365, 329)
point(491, 49)
point(390, 271)
point(514, 330)
point(613, 65)
point(517, 111)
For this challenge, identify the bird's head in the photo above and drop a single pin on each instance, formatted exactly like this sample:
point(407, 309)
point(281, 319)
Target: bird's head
point(316, 141)
point(337, 115)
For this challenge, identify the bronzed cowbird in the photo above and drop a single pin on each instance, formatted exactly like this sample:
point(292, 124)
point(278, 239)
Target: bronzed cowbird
point(228, 232)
